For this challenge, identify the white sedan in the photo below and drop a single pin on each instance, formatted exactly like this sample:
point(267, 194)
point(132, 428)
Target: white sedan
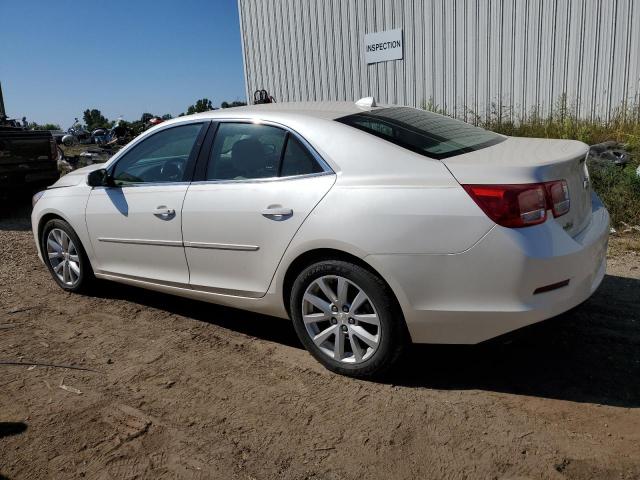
point(370, 227)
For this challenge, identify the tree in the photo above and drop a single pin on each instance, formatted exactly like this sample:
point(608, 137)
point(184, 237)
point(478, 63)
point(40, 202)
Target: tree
point(146, 117)
point(94, 119)
point(202, 105)
point(167, 116)
point(232, 104)
point(46, 126)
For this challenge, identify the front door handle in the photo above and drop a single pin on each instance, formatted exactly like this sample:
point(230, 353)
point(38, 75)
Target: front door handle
point(277, 212)
point(164, 212)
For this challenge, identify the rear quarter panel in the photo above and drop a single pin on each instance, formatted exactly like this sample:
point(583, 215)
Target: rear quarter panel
point(386, 200)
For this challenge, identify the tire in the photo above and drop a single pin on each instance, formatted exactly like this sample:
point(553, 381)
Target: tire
point(77, 281)
point(366, 349)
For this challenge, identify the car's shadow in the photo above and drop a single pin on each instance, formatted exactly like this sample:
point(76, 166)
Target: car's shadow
point(15, 214)
point(591, 354)
point(261, 326)
point(8, 429)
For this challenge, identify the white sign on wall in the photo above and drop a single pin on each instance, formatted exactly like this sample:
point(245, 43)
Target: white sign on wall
point(383, 46)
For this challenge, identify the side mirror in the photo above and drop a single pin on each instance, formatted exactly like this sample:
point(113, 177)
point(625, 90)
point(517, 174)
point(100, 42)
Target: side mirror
point(100, 178)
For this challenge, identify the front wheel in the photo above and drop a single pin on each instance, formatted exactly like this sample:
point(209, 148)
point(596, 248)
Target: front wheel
point(64, 256)
point(347, 319)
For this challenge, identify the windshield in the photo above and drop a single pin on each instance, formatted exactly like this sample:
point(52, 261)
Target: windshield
point(423, 132)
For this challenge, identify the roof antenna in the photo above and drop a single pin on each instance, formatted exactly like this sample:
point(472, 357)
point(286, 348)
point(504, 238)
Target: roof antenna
point(366, 102)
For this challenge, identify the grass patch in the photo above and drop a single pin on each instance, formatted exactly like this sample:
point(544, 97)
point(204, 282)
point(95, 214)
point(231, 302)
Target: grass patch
point(618, 187)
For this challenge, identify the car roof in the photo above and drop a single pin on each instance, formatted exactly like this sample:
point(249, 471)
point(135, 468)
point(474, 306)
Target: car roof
point(320, 110)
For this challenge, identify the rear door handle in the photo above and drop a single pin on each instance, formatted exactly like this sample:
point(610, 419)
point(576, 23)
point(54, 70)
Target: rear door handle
point(164, 212)
point(276, 212)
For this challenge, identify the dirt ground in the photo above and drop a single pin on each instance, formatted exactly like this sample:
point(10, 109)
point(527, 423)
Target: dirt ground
point(180, 389)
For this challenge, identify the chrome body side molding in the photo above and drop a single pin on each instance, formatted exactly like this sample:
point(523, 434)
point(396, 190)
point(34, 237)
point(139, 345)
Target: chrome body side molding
point(142, 241)
point(222, 246)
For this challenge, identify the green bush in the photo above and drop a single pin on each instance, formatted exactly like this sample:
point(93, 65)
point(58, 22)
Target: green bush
point(619, 189)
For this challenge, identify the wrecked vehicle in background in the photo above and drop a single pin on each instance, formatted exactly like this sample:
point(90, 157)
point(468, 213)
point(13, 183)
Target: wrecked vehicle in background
point(75, 134)
point(28, 158)
point(608, 153)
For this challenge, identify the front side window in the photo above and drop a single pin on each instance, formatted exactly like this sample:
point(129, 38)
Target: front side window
point(161, 158)
point(243, 151)
point(423, 132)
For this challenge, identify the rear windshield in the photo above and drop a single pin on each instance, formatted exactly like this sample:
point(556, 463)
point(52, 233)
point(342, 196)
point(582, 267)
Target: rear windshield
point(423, 132)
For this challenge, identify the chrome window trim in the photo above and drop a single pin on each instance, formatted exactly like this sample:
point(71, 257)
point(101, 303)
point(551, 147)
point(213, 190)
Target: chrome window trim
point(263, 180)
point(111, 163)
point(149, 184)
point(326, 168)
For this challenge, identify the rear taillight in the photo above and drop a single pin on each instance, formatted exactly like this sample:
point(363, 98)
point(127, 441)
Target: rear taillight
point(558, 197)
point(511, 205)
point(517, 206)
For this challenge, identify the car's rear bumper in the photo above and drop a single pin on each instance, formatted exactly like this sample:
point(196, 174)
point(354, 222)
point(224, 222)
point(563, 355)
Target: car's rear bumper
point(488, 290)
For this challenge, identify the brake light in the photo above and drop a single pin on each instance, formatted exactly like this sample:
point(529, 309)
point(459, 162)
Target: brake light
point(511, 205)
point(558, 196)
point(523, 205)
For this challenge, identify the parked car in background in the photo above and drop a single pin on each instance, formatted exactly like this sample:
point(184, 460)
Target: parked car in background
point(368, 226)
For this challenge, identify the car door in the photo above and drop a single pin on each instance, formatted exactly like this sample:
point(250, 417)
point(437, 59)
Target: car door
point(135, 225)
point(260, 183)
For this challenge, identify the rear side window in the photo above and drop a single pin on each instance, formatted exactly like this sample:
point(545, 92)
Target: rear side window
point(244, 151)
point(426, 133)
point(297, 160)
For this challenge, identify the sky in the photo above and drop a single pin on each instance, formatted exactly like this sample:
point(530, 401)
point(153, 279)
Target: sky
point(58, 58)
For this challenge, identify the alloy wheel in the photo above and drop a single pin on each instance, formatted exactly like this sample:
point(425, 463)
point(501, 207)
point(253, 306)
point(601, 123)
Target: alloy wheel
point(63, 257)
point(341, 319)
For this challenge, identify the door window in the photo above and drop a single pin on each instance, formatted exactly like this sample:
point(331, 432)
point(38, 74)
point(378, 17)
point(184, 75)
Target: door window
point(243, 151)
point(160, 158)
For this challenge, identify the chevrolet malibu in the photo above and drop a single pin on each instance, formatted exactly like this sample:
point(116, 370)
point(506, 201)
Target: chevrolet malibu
point(369, 226)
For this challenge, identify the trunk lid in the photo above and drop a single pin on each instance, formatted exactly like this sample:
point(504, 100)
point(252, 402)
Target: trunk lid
point(532, 160)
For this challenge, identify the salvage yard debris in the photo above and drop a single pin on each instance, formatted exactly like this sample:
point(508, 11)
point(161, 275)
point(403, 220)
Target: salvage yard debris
point(53, 365)
point(68, 388)
point(608, 153)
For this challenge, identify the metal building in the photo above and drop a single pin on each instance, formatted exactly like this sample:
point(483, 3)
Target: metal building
point(509, 57)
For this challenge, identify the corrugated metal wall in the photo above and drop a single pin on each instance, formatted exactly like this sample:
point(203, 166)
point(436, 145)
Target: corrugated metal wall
point(464, 56)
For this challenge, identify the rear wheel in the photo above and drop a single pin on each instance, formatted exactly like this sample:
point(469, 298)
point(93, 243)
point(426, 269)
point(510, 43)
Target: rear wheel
point(347, 319)
point(64, 256)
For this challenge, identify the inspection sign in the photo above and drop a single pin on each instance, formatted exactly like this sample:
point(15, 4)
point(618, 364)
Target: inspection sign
point(383, 46)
